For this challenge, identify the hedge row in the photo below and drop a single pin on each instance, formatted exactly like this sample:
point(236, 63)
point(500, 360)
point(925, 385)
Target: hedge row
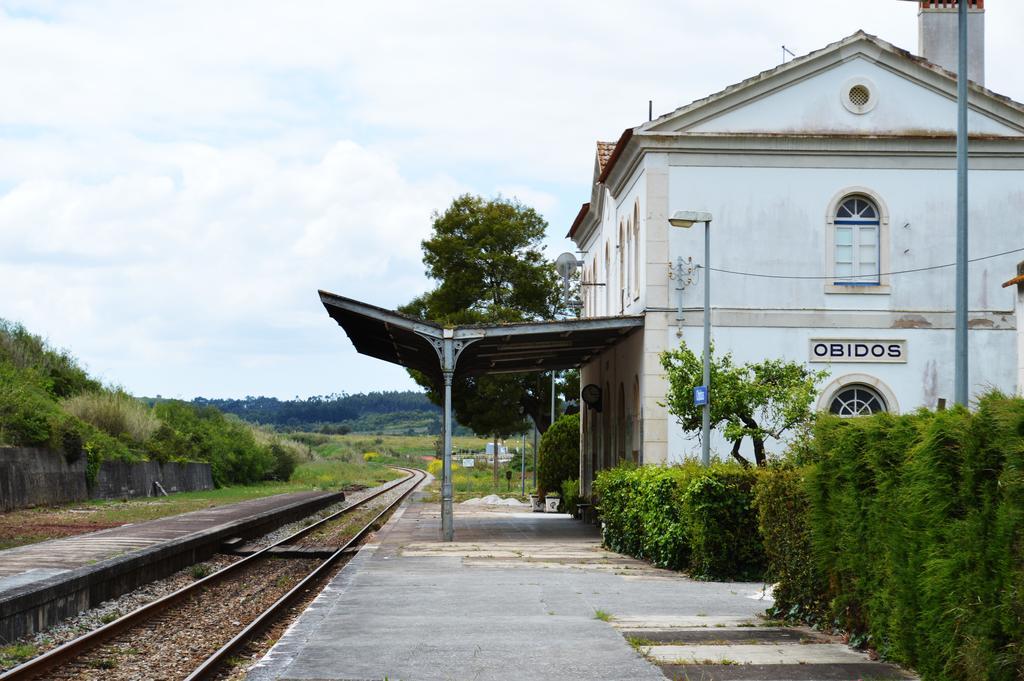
point(908, 532)
point(684, 517)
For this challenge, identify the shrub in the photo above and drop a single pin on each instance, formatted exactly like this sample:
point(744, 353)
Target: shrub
point(27, 413)
point(781, 499)
point(917, 528)
point(437, 465)
point(683, 517)
point(115, 413)
point(570, 495)
point(226, 443)
point(370, 456)
point(62, 377)
point(559, 454)
point(720, 523)
point(285, 462)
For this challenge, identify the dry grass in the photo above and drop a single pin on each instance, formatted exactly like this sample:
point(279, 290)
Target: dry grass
point(116, 413)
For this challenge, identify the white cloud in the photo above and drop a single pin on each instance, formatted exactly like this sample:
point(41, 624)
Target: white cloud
point(178, 177)
point(193, 265)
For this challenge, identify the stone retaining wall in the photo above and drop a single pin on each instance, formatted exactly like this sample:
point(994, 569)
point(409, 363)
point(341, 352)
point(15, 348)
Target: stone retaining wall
point(117, 480)
point(33, 477)
point(36, 477)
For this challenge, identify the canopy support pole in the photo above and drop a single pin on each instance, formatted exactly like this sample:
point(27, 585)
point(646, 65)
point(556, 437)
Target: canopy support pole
point(448, 350)
point(448, 370)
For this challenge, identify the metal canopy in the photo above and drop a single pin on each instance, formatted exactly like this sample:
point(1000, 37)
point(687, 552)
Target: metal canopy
point(486, 349)
point(440, 352)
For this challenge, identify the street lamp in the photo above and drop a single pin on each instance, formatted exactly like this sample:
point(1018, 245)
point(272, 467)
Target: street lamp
point(687, 219)
point(960, 377)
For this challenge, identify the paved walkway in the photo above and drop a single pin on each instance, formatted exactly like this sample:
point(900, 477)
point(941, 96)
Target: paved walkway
point(533, 596)
point(36, 562)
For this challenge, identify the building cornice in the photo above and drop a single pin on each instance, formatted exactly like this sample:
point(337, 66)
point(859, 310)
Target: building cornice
point(816, 150)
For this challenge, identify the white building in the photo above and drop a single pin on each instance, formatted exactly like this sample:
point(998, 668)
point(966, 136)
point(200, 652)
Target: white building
point(838, 163)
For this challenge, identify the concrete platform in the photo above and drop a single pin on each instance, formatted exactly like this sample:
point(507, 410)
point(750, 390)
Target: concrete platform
point(40, 584)
point(529, 596)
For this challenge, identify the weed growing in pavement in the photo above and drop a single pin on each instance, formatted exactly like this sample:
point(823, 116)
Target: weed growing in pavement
point(199, 571)
point(603, 616)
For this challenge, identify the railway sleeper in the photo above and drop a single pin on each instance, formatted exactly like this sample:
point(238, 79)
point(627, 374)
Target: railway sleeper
point(295, 551)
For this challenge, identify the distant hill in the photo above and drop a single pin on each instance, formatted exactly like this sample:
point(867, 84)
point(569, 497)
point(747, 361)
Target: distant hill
point(388, 412)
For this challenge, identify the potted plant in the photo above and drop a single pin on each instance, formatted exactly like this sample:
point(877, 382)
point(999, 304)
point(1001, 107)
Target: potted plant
point(536, 502)
point(551, 502)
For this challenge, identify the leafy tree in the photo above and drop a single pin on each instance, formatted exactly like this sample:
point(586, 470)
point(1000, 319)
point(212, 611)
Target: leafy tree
point(486, 257)
point(559, 455)
point(756, 400)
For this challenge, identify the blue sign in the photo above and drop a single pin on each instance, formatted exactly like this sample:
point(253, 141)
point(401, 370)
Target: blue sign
point(700, 395)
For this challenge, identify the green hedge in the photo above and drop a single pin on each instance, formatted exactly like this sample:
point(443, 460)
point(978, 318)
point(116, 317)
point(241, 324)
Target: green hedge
point(801, 592)
point(684, 517)
point(912, 537)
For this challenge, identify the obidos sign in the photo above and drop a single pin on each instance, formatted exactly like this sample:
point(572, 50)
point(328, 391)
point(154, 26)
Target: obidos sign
point(849, 350)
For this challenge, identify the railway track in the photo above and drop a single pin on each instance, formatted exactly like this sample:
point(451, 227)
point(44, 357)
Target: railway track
point(194, 632)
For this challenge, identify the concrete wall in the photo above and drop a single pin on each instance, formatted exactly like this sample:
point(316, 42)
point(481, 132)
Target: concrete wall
point(30, 477)
point(35, 477)
point(117, 479)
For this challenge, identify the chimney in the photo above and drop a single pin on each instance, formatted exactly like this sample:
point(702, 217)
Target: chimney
point(938, 40)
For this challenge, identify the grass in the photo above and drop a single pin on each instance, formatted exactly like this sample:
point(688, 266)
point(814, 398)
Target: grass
point(28, 526)
point(469, 483)
point(409, 448)
point(200, 570)
point(603, 616)
point(16, 654)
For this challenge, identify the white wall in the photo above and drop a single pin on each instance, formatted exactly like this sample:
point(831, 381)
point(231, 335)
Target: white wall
point(927, 375)
point(815, 105)
point(773, 220)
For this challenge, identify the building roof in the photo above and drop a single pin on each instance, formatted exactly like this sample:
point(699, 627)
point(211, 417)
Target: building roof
point(659, 124)
point(484, 348)
point(584, 209)
point(604, 152)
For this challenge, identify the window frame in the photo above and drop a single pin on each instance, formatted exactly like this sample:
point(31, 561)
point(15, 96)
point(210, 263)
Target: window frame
point(832, 284)
point(846, 381)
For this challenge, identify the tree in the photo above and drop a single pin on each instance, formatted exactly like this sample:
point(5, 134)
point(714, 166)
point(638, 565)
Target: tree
point(559, 456)
point(756, 400)
point(487, 259)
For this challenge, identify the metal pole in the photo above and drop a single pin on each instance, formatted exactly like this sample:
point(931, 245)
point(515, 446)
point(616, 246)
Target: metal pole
point(960, 378)
point(536, 432)
point(552, 398)
point(522, 466)
point(705, 444)
point(447, 519)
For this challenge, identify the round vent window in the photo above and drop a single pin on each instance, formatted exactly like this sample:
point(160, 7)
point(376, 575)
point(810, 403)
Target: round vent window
point(859, 96)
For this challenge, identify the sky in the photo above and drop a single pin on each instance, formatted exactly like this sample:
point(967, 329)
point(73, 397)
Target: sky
point(177, 179)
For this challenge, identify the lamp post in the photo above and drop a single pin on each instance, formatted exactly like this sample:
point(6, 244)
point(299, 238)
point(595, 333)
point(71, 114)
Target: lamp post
point(960, 376)
point(686, 219)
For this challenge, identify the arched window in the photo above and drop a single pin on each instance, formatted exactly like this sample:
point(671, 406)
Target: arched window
point(629, 258)
point(622, 266)
point(857, 400)
point(607, 279)
point(856, 256)
point(636, 250)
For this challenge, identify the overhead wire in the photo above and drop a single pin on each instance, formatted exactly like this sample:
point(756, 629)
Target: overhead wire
point(857, 276)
